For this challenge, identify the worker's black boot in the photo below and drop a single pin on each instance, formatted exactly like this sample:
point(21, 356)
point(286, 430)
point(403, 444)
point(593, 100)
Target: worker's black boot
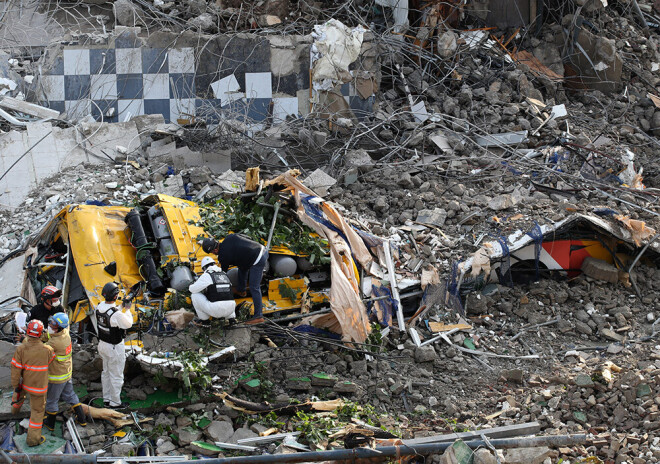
point(49, 420)
point(81, 417)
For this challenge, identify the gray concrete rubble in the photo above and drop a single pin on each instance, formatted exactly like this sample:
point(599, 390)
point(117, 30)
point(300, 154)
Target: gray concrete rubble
point(495, 166)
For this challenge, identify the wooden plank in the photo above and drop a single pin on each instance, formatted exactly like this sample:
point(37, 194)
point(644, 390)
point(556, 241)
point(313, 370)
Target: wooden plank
point(517, 430)
point(442, 327)
point(655, 99)
point(28, 108)
point(535, 66)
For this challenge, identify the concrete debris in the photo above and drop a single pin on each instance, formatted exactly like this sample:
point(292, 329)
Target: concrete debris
point(489, 190)
point(527, 455)
point(320, 182)
point(600, 270)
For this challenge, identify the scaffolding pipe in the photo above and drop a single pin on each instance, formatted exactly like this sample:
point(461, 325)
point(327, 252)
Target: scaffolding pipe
point(403, 450)
point(50, 458)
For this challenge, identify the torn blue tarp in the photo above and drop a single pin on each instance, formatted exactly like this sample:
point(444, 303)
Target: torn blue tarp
point(68, 448)
point(370, 240)
point(382, 309)
point(605, 212)
point(310, 329)
point(96, 203)
point(314, 211)
point(451, 296)
point(7, 437)
point(504, 271)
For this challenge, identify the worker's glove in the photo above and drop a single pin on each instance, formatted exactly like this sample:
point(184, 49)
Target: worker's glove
point(16, 397)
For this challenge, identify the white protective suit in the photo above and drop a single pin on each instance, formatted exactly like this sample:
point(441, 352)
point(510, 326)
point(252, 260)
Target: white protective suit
point(204, 308)
point(113, 356)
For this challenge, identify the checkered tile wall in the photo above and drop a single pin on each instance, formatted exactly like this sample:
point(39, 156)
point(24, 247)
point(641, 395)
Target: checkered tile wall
point(113, 84)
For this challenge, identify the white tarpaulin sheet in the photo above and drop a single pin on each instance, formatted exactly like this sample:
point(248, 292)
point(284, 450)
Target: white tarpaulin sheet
point(335, 47)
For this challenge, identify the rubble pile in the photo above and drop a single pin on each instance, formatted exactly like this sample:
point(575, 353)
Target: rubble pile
point(511, 170)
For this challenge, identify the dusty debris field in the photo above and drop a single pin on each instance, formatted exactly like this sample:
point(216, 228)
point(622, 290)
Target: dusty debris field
point(512, 171)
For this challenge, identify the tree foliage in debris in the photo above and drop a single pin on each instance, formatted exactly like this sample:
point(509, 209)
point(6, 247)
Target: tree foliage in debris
point(195, 371)
point(253, 219)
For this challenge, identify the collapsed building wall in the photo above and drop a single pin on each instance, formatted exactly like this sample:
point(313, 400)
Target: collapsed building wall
point(187, 78)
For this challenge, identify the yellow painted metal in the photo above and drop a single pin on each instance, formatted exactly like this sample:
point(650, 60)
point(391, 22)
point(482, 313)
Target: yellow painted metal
point(279, 302)
point(181, 216)
point(79, 312)
point(98, 236)
point(137, 343)
point(597, 250)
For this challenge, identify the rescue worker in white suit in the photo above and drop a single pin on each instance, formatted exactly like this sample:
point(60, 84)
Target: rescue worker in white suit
point(112, 323)
point(211, 293)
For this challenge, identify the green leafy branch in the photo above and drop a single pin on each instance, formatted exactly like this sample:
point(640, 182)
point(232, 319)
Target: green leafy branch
point(253, 218)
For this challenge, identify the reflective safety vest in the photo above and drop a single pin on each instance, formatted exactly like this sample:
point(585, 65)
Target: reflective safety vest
point(107, 333)
point(61, 368)
point(220, 288)
point(29, 366)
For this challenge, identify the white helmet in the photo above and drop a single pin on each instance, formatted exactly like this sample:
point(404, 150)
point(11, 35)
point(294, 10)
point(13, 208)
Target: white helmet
point(207, 261)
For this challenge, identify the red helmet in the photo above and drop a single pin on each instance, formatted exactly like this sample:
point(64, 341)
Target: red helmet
point(50, 292)
point(35, 328)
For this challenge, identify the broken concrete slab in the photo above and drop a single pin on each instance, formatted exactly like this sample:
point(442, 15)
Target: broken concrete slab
point(358, 159)
point(502, 202)
point(229, 181)
point(457, 453)
point(161, 148)
point(594, 62)
point(600, 270)
point(220, 430)
point(345, 387)
point(321, 379)
point(583, 380)
point(218, 162)
point(188, 434)
point(241, 434)
point(435, 217)
point(484, 456)
point(184, 157)
point(31, 109)
point(527, 455)
point(50, 149)
point(611, 335)
point(172, 185)
point(320, 182)
point(299, 383)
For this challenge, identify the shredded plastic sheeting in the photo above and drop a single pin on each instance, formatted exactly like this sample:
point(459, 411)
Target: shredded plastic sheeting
point(481, 259)
point(639, 230)
point(349, 313)
point(335, 48)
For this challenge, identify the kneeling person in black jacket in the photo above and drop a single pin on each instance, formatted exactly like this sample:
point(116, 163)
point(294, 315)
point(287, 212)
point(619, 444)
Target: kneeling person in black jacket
point(211, 294)
point(250, 258)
